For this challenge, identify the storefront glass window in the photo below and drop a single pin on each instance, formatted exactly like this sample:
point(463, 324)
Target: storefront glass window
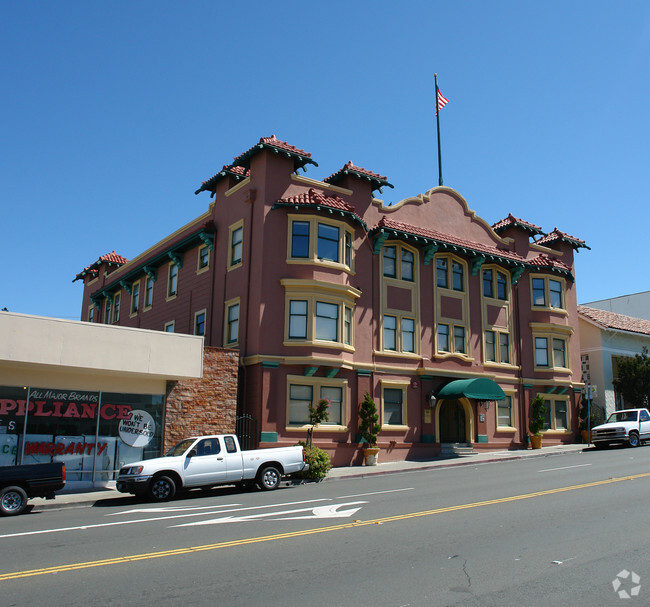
point(93, 433)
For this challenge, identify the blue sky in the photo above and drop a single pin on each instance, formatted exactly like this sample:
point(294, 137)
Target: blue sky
point(113, 113)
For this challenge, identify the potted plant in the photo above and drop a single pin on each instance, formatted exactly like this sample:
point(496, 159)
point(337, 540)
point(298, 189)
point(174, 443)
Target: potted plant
point(369, 428)
point(536, 423)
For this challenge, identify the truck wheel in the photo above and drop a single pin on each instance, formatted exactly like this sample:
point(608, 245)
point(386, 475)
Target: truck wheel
point(162, 488)
point(633, 439)
point(269, 478)
point(13, 500)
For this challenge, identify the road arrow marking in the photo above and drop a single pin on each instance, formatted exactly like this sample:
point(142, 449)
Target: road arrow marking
point(164, 509)
point(317, 512)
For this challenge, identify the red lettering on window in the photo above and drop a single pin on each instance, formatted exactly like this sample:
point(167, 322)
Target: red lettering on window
point(40, 411)
point(72, 411)
point(6, 405)
point(88, 410)
point(123, 412)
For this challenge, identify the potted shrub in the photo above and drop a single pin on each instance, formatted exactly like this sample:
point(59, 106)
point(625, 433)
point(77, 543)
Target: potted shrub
point(369, 429)
point(537, 419)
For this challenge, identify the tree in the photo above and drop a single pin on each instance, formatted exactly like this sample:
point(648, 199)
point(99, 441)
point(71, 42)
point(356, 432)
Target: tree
point(633, 381)
point(317, 414)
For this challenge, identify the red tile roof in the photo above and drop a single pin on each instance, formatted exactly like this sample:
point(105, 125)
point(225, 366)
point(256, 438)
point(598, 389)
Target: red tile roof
point(546, 261)
point(113, 258)
point(110, 258)
point(351, 169)
point(236, 171)
point(300, 156)
point(557, 235)
point(312, 197)
point(448, 238)
point(511, 220)
point(611, 320)
point(242, 162)
point(282, 145)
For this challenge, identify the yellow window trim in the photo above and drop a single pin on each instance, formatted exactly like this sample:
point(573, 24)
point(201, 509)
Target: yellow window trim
point(312, 258)
point(199, 269)
point(226, 308)
point(318, 382)
point(396, 384)
point(231, 230)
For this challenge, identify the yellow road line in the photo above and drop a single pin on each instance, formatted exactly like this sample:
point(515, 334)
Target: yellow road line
point(294, 534)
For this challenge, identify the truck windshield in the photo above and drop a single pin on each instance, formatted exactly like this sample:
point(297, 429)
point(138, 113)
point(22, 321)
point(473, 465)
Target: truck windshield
point(180, 448)
point(623, 416)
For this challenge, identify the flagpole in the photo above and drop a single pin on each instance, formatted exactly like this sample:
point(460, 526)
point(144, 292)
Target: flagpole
point(435, 76)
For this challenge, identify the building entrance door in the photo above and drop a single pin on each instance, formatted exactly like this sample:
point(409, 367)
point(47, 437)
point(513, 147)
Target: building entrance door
point(452, 422)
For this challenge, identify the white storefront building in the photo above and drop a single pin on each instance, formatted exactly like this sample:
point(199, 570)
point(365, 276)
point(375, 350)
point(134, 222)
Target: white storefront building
point(87, 394)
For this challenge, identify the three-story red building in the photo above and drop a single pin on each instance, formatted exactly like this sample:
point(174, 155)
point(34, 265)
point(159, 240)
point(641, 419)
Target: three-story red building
point(452, 325)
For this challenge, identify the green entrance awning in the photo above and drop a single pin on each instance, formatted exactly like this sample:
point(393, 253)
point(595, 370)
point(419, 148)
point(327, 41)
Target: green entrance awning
point(480, 388)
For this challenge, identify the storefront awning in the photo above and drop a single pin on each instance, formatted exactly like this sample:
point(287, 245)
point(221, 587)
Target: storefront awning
point(480, 388)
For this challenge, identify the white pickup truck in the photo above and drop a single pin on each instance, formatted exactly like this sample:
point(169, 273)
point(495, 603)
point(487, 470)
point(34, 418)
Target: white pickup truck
point(207, 461)
point(628, 426)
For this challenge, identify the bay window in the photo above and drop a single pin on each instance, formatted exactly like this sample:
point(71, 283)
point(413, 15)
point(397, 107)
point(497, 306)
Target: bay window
point(315, 240)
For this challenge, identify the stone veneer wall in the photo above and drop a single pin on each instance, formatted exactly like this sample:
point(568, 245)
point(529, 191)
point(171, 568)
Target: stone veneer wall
point(207, 405)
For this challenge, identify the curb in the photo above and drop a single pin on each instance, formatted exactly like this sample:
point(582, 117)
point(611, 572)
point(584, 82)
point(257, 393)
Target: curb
point(68, 500)
point(468, 461)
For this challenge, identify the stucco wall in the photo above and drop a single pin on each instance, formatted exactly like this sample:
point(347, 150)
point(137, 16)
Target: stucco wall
point(36, 345)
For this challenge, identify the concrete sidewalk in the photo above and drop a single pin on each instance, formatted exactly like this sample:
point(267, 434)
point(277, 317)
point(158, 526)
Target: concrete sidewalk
point(69, 499)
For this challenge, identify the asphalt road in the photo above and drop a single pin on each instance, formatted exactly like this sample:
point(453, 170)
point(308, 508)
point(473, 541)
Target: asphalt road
point(547, 531)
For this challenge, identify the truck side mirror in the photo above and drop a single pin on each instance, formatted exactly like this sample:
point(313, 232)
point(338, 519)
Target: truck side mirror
point(191, 453)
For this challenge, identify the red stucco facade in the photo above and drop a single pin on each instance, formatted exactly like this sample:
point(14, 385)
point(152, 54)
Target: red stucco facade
point(326, 292)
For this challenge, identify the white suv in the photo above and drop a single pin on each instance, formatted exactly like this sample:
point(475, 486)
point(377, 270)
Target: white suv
point(631, 426)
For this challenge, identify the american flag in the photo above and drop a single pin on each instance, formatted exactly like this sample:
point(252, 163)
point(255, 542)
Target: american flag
point(442, 101)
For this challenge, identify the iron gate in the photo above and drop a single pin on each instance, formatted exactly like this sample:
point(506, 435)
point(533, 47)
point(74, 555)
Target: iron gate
point(246, 430)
